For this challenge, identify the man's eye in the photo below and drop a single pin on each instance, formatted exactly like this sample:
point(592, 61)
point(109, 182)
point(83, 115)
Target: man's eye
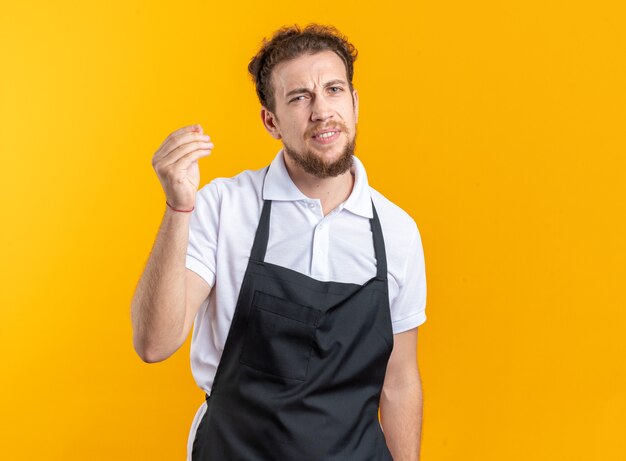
point(297, 98)
point(338, 88)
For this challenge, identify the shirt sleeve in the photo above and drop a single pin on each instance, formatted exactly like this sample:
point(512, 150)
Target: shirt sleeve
point(409, 307)
point(203, 228)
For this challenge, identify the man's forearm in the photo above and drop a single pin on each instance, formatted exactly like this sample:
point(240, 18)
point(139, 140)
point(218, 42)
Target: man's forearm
point(158, 305)
point(401, 419)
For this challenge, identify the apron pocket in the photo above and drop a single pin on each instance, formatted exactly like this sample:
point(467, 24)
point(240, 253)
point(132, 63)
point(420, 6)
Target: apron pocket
point(279, 337)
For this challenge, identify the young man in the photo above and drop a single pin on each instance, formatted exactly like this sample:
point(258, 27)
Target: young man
point(305, 286)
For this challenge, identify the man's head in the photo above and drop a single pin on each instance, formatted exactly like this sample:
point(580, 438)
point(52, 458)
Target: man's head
point(303, 79)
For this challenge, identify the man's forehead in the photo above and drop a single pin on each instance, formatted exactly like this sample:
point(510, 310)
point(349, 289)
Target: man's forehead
point(308, 70)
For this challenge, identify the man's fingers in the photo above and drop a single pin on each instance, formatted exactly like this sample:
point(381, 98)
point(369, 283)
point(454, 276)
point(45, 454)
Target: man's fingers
point(172, 144)
point(185, 149)
point(185, 129)
point(186, 161)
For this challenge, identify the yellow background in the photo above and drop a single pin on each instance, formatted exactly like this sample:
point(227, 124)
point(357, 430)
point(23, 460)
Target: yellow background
point(498, 125)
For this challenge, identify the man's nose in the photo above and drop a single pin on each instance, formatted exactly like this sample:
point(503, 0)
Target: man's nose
point(321, 109)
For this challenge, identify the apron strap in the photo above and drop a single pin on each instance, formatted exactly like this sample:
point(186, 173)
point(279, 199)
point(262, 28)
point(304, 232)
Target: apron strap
point(263, 229)
point(379, 246)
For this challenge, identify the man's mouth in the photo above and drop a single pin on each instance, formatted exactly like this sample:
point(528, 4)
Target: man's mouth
point(326, 136)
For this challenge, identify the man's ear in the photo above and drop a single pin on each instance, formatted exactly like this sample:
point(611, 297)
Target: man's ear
point(269, 122)
point(355, 95)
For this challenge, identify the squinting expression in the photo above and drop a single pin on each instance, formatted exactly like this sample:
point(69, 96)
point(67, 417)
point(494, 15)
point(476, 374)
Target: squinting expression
point(315, 113)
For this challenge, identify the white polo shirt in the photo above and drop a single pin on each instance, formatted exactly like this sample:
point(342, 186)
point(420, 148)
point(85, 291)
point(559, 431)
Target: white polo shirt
point(336, 247)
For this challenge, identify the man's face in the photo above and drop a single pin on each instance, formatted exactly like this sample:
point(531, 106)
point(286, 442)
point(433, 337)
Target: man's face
point(315, 113)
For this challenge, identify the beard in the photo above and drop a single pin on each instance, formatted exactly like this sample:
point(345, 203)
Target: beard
point(316, 166)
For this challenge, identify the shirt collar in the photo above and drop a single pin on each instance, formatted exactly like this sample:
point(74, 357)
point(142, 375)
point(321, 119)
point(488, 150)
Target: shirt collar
point(279, 186)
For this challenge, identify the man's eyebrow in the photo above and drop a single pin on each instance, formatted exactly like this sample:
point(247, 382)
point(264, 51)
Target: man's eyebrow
point(336, 81)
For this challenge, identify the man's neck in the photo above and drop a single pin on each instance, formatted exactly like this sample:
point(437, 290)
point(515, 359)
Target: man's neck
point(330, 191)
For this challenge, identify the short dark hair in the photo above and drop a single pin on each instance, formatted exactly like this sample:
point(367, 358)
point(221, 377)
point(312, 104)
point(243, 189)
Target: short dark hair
point(289, 42)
